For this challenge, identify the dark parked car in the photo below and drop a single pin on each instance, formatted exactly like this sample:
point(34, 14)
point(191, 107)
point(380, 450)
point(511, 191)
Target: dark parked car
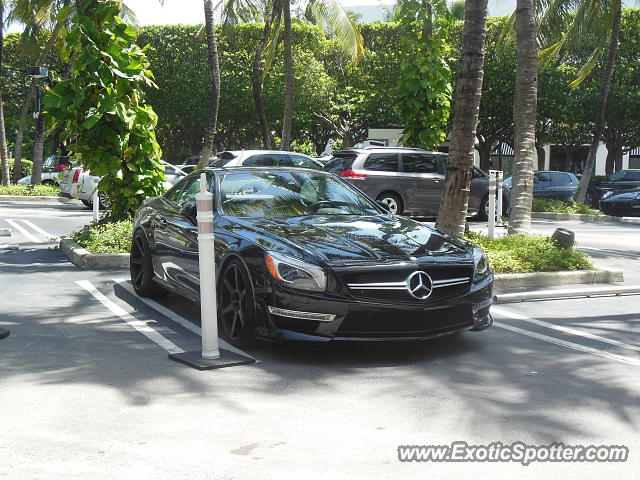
point(620, 180)
point(409, 180)
point(624, 203)
point(553, 185)
point(264, 158)
point(302, 255)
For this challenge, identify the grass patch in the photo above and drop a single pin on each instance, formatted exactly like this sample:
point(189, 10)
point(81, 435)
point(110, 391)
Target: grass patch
point(30, 190)
point(558, 206)
point(105, 238)
point(529, 253)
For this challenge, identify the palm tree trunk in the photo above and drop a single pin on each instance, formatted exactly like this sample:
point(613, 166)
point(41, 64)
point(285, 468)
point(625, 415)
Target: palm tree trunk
point(616, 13)
point(288, 78)
point(524, 117)
point(212, 50)
point(4, 156)
point(453, 208)
point(24, 112)
point(38, 149)
point(256, 81)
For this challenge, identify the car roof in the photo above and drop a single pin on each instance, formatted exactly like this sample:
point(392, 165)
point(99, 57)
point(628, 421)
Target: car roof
point(240, 168)
point(387, 149)
point(237, 153)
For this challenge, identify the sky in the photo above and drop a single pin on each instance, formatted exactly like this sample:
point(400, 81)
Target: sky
point(149, 12)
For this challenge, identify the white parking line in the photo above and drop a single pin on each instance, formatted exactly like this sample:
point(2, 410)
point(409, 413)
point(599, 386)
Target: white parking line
point(177, 318)
point(139, 325)
point(571, 331)
point(35, 227)
point(22, 230)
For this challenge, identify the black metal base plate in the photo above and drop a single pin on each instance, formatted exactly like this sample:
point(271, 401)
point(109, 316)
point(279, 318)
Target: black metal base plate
point(226, 359)
point(4, 333)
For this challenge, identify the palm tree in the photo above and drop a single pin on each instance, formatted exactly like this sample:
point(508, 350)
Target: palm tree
point(277, 18)
point(4, 156)
point(524, 116)
point(453, 208)
point(214, 65)
point(594, 21)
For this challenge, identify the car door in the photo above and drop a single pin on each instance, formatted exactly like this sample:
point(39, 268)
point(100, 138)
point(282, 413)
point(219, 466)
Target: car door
point(421, 181)
point(562, 187)
point(380, 174)
point(176, 235)
point(542, 185)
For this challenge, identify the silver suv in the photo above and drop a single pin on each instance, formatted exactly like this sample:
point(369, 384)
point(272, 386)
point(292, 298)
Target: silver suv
point(409, 180)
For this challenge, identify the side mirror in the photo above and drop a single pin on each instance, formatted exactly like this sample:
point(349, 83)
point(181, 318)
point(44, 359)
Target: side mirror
point(384, 206)
point(189, 211)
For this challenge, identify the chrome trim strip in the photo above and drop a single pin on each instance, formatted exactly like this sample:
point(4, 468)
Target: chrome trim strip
point(369, 287)
point(451, 280)
point(450, 284)
point(318, 317)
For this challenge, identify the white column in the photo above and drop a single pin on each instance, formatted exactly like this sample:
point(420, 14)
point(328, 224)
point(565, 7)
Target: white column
point(625, 161)
point(601, 159)
point(547, 157)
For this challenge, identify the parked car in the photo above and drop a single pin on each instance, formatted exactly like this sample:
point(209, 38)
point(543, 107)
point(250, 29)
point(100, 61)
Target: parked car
point(80, 184)
point(408, 180)
point(625, 203)
point(54, 168)
point(552, 185)
point(617, 181)
point(264, 158)
point(303, 255)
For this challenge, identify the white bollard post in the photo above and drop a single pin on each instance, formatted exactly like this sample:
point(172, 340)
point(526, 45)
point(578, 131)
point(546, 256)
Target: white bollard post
point(499, 180)
point(206, 254)
point(491, 215)
point(96, 205)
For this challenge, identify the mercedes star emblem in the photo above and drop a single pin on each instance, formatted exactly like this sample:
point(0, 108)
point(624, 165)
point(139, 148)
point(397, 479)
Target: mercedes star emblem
point(419, 285)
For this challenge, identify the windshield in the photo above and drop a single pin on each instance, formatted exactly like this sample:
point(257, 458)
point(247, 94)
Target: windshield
point(289, 194)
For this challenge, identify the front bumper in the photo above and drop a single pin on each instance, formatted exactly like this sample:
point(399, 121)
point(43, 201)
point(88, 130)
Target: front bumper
point(360, 320)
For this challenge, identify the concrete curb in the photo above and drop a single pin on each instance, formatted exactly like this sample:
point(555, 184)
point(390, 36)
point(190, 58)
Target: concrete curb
point(83, 259)
point(568, 293)
point(549, 279)
point(584, 217)
point(31, 198)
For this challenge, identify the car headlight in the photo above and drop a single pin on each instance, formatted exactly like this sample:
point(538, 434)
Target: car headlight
point(481, 264)
point(296, 273)
point(606, 195)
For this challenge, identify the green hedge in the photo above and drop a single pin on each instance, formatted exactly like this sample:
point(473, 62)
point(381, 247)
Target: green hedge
point(26, 166)
point(105, 238)
point(529, 253)
point(558, 206)
point(30, 190)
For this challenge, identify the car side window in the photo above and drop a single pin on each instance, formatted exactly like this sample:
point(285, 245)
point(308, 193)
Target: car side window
point(303, 162)
point(543, 179)
point(560, 179)
point(419, 163)
point(616, 177)
point(268, 160)
point(382, 162)
point(174, 192)
point(632, 177)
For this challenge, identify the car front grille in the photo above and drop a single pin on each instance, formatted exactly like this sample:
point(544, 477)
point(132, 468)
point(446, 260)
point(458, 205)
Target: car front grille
point(392, 286)
point(406, 324)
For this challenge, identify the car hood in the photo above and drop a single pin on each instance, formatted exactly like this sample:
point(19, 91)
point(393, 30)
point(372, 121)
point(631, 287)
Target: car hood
point(623, 195)
point(346, 238)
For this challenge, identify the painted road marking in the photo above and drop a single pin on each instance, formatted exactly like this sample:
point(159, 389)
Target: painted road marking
point(571, 331)
point(170, 314)
point(22, 230)
point(139, 325)
point(46, 235)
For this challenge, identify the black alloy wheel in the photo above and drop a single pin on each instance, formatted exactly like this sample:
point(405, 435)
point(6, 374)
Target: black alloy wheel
point(235, 304)
point(141, 268)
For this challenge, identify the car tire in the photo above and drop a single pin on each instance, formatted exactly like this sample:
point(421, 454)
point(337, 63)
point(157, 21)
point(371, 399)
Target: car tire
point(87, 204)
point(48, 182)
point(393, 201)
point(141, 268)
point(236, 305)
point(484, 209)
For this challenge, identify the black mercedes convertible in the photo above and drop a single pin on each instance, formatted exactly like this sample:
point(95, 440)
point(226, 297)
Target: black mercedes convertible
point(303, 255)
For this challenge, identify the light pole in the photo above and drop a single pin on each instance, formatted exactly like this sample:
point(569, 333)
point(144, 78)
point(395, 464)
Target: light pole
point(38, 72)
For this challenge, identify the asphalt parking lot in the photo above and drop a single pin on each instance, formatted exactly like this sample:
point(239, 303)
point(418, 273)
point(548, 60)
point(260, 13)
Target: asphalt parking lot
point(85, 392)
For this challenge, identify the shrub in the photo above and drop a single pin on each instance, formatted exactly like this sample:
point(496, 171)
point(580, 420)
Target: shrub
point(26, 166)
point(529, 253)
point(114, 237)
point(30, 190)
point(558, 206)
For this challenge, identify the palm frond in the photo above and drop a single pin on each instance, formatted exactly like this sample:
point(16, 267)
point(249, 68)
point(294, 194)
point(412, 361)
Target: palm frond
point(587, 68)
point(330, 13)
